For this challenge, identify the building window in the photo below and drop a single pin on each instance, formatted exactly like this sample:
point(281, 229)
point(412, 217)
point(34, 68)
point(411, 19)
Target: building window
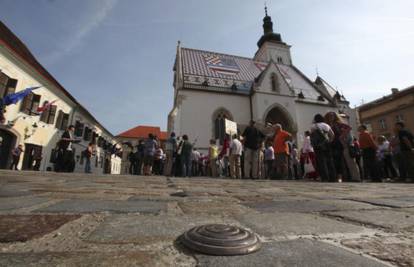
point(274, 82)
point(399, 118)
point(62, 120)
point(30, 104)
point(79, 128)
point(279, 60)
point(7, 85)
point(48, 116)
point(382, 124)
point(87, 135)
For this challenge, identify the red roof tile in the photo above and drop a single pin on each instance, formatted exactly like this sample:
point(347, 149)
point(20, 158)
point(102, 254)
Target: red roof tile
point(143, 132)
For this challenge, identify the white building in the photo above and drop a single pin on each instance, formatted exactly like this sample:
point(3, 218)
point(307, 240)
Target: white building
point(210, 86)
point(19, 69)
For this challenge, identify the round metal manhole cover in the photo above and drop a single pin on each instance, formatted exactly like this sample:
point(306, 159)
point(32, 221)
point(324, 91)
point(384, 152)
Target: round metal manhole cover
point(221, 240)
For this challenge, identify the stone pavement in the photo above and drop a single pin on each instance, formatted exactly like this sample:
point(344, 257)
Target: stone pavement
point(50, 219)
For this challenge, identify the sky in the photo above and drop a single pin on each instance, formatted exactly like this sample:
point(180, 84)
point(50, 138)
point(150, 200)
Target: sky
point(116, 56)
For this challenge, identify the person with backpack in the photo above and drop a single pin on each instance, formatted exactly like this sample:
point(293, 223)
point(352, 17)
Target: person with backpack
point(149, 152)
point(406, 139)
point(321, 137)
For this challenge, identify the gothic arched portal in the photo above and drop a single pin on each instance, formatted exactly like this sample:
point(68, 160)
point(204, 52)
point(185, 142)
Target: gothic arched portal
point(219, 128)
point(278, 114)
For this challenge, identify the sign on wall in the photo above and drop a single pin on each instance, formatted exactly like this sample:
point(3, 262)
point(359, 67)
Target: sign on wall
point(231, 127)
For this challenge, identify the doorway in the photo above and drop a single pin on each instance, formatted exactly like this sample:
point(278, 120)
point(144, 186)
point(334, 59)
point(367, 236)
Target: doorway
point(9, 141)
point(32, 156)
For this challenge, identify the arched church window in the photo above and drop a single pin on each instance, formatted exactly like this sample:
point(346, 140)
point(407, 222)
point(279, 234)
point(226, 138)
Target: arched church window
point(274, 82)
point(279, 60)
point(220, 125)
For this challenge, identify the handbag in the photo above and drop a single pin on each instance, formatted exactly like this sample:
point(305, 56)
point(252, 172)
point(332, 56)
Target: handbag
point(308, 166)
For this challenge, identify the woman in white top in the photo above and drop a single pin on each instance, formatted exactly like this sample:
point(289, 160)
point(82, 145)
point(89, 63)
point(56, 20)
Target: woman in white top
point(385, 158)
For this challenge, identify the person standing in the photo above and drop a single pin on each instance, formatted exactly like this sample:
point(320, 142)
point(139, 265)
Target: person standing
point(139, 157)
point(369, 148)
point(406, 139)
point(269, 156)
point(170, 153)
point(195, 157)
point(132, 161)
point(89, 152)
point(149, 150)
point(385, 158)
point(67, 159)
point(281, 149)
point(252, 138)
point(186, 152)
point(340, 147)
point(16, 157)
point(158, 160)
point(321, 137)
point(224, 155)
point(236, 150)
point(213, 156)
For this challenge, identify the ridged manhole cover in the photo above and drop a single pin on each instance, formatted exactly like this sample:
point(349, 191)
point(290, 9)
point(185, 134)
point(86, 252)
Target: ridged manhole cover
point(221, 240)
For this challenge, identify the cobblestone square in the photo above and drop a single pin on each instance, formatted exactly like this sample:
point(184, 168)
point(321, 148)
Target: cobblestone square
point(135, 220)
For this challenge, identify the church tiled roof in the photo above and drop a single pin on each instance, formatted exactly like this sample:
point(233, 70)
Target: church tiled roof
point(209, 70)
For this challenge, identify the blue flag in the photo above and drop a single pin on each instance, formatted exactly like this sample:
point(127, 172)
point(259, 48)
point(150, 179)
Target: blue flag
point(16, 97)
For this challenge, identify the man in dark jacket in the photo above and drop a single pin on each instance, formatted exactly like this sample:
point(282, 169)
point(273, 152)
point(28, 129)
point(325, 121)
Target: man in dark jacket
point(252, 138)
point(67, 157)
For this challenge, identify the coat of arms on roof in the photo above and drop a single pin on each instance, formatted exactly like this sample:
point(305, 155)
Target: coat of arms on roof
point(222, 65)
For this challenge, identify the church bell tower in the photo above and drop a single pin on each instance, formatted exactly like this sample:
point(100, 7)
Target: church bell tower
point(271, 46)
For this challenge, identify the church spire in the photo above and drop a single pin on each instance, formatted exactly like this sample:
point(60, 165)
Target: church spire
point(268, 34)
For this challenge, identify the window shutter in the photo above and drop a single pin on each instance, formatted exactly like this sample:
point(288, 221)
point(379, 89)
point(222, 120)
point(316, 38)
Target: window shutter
point(35, 104)
point(3, 82)
point(11, 86)
point(26, 104)
point(85, 134)
point(59, 120)
point(65, 121)
point(43, 116)
point(52, 114)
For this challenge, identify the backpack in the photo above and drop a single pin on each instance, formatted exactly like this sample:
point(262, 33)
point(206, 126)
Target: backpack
point(319, 140)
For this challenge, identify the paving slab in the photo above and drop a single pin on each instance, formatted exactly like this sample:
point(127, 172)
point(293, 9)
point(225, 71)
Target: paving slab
point(114, 206)
point(21, 202)
point(395, 202)
point(385, 218)
point(13, 193)
point(147, 229)
point(396, 249)
point(211, 207)
point(304, 253)
point(284, 224)
point(46, 259)
point(21, 228)
point(303, 205)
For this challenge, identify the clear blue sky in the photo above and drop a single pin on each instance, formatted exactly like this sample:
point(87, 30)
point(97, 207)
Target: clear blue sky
point(116, 56)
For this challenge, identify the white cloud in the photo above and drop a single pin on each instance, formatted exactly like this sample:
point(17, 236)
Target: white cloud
point(94, 20)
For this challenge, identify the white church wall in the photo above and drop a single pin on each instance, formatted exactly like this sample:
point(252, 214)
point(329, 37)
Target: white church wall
point(197, 109)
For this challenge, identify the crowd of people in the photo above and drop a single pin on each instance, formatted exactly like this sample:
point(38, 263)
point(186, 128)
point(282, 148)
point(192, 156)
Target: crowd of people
point(329, 153)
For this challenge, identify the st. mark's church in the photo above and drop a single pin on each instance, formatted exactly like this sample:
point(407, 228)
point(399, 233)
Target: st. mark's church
point(210, 87)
